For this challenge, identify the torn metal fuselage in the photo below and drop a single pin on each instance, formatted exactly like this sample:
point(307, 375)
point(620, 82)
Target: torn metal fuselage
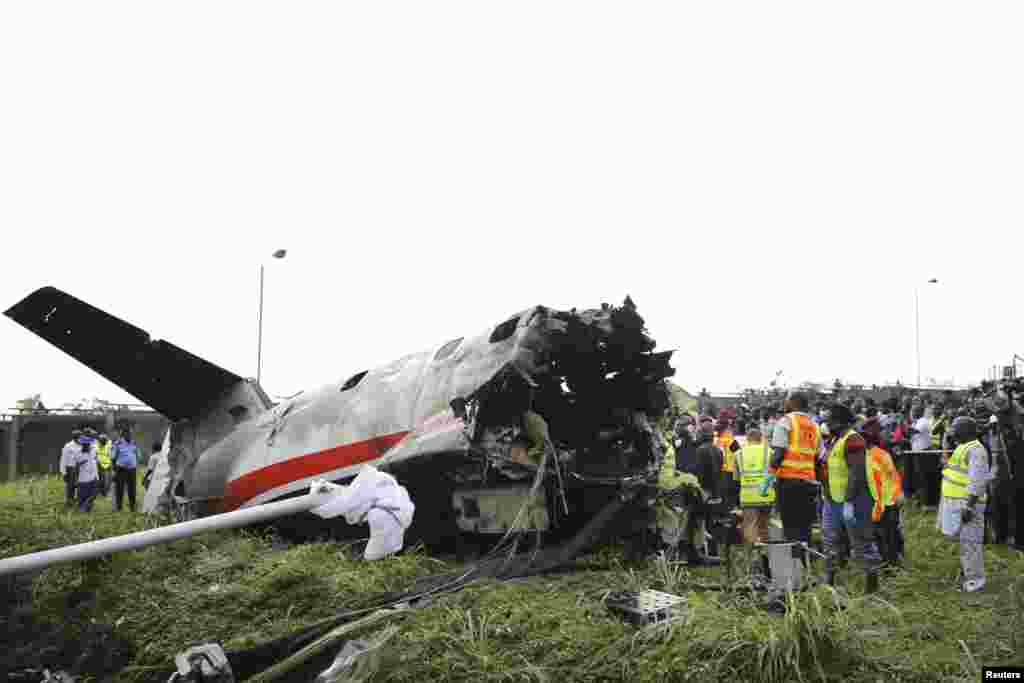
point(449, 424)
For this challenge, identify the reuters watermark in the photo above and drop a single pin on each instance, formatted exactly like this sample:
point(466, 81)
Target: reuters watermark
point(1002, 673)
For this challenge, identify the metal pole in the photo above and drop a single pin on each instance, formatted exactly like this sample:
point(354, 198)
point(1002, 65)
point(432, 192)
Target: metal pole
point(164, 534)
point(259, 335)
point(917, 327)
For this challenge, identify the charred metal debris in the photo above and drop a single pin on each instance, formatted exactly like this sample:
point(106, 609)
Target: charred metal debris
point(594, 379)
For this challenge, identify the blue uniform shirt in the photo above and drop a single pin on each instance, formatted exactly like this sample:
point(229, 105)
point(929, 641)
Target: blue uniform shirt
point(125, 454)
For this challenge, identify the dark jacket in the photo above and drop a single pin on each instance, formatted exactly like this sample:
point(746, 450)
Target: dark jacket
point(709, 461)
point(686, 452)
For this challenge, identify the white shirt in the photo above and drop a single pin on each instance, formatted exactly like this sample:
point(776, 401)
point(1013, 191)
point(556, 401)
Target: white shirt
point(87, 470)
point(922, 439)
point(69, 455)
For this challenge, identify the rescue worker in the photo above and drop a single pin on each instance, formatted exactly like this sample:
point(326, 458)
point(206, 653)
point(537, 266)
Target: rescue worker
point(756, 507)
point(794, 444)
point(931, 469)
point(684, 445)
point(726, 442)
point(708, 467)
point(679, 498)
point(68, 467)
point(887, 514)
point(375, 498)
point(103, 448)
point(126, 460)
point(965, 479)
point(851, 504)
point(88, 474)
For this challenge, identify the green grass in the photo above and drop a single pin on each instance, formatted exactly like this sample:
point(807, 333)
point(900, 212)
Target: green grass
point(237, 589)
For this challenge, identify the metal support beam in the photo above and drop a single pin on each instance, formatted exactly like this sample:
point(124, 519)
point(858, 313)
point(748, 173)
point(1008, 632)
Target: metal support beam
point(13, 444)
point(165, 534)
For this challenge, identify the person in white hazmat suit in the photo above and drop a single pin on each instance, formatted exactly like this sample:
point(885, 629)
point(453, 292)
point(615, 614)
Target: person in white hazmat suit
point(375, 498)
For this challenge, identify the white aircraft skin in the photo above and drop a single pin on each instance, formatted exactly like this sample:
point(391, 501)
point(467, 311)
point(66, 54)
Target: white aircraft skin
point(231, 448)
point(395, 412)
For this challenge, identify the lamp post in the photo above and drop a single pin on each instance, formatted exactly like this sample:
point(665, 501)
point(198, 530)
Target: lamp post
point(917, 327)
point(259, 335)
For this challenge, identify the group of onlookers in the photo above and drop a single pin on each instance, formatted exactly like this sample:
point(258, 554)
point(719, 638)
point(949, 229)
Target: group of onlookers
point(850, 465)
point(90, 463)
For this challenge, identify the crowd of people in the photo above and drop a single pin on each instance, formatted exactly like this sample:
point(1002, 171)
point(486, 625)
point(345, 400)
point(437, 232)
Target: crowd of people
point(91, 464)
point(849, 465)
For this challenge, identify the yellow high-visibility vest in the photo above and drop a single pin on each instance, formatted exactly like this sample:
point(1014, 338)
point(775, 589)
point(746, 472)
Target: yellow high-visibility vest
point(103, 455)
point(836, 463)
point(955, 476)
point(753, 461)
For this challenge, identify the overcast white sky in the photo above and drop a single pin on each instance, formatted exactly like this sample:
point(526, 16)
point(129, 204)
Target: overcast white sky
point(768, 181)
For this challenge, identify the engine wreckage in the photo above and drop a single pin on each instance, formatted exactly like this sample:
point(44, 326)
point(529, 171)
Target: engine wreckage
point(535, 424)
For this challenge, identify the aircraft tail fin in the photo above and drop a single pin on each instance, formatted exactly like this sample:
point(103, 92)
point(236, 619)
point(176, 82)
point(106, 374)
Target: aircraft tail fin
point(169, 379)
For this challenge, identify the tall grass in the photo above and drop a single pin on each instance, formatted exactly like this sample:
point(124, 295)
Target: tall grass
point(239, 588)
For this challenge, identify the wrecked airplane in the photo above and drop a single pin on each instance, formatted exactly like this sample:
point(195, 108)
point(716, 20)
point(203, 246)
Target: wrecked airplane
point(448, 423)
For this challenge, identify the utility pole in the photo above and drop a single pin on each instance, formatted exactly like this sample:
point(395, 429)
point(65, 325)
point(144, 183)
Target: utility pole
point(280, 253)
point(917, 328)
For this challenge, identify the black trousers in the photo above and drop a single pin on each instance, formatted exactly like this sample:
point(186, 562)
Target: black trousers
point(797, 503)
point(910, 475)
point(70, 484)
point(124, 482)
point(930, 481)
point(1000, 510)
point(890, 536)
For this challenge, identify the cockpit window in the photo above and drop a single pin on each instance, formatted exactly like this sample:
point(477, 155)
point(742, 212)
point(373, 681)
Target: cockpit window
point(354, 380)
point(448, 349)
point(504, 330)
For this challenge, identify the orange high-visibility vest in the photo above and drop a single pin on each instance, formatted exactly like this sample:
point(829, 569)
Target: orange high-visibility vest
point(804, 441)
point(723, 441)
point(884, 481)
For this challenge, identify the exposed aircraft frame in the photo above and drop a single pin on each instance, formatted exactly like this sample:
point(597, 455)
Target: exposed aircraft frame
point(591, 374)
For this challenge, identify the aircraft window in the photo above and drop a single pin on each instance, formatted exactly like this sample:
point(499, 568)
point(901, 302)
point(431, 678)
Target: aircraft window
point(354, 381)
point(448, 349)
point(504, 330)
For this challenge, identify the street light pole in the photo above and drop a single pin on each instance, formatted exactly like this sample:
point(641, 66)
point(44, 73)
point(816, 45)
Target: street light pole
point(917, 327)
point(259, 335)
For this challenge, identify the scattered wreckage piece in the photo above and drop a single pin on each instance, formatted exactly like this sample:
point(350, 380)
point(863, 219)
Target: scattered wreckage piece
point(204, 663)
point(646, 607)
point(284, 668)
point(358, 660)
point(452, 424)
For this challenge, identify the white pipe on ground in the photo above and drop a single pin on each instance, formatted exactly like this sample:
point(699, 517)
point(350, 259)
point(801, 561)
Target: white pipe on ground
point(164, 534)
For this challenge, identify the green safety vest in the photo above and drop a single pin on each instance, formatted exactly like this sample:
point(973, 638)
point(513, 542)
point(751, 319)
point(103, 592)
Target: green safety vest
point(837, 479)
point(753, 466)
point(955, 476)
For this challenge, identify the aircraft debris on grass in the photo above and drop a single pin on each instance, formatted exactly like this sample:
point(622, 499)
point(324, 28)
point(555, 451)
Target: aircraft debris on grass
point(446, 422)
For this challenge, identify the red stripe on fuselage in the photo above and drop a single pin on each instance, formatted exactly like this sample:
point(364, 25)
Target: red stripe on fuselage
point(254, 483)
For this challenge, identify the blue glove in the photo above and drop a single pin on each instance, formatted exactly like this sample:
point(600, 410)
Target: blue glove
point(848, 513)
point(769, 481)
